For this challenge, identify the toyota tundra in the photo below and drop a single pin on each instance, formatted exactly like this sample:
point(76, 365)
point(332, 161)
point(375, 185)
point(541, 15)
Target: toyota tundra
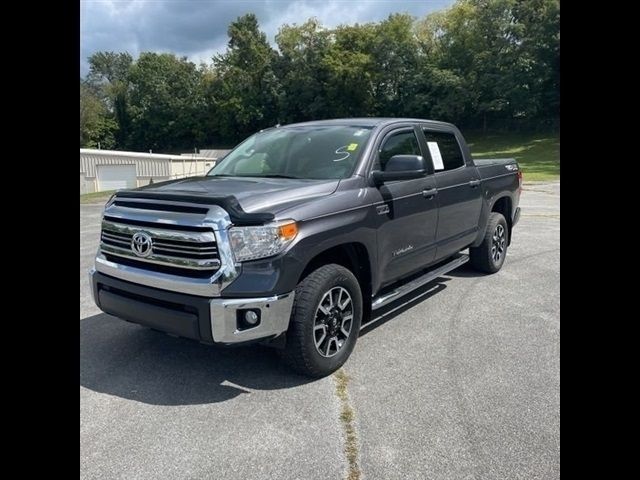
point(302, 233)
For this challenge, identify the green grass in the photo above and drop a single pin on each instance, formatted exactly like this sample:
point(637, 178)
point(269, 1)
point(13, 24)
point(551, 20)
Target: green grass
point(96, 197)
point(537, 153)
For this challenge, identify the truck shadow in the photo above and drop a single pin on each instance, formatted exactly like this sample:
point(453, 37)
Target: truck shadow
point(398, 307)
point(129, 361)
point(136, 363)
point(465, 271)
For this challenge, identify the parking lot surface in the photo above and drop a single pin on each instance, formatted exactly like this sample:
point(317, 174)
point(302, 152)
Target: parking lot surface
point(460, 383)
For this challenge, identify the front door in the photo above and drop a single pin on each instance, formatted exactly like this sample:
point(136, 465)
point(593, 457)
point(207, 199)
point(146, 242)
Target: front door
point(407, 212)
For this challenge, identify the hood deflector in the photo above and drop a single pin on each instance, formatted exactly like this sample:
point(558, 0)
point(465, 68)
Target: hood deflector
point(228, 202)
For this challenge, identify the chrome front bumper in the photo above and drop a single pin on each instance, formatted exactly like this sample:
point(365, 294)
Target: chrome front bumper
point(274, 317)
point(187, 315)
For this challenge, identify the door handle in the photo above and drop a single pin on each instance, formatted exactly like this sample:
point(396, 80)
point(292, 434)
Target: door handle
point(429, 194)
point(474, 183)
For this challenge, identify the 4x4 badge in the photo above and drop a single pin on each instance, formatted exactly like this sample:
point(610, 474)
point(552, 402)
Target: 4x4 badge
point(382, 209)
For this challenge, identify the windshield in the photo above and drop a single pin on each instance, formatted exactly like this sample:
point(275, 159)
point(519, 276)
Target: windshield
point(308, 152)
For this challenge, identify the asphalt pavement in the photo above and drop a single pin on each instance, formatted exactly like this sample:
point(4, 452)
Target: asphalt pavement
point(460, 383)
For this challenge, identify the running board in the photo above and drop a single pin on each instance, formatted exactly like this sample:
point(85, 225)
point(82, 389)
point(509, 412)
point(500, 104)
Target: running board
point(387, 298)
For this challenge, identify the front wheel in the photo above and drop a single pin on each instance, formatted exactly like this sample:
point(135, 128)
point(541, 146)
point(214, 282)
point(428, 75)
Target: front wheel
point(489, 256)
point(325, 321)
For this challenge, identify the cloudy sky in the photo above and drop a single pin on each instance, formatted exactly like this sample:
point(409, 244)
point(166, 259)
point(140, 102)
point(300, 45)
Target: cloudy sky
point(198, 28)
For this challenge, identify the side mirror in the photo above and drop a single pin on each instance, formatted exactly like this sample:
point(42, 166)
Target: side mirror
point(401, 167)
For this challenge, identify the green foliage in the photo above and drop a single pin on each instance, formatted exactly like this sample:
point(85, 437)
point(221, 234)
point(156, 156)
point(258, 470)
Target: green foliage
point(302, 71)
point(480, 64)
point(96, 127)
point(109, 78)
point(109, 67)
point(350, 72)
point(244, 93)
point(165, 102)
point(394, 65)
point(507, 53)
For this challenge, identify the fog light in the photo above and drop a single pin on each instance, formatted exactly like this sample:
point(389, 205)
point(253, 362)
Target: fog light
point(251, 317)
point(247, 318)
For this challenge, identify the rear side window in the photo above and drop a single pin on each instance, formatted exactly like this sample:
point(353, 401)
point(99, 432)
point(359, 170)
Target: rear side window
point(401, 143)
point(446, 147)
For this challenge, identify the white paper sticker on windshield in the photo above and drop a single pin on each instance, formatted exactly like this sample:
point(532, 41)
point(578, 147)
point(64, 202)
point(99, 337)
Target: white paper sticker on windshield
point(359, 133)
point(435, 155)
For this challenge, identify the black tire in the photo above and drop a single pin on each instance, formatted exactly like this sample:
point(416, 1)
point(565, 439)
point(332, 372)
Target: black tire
point(300, 352)
point(484, 257)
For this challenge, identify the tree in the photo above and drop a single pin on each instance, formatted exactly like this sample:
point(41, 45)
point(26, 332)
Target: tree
point(245, 91)
point(479, 63)
point(166, 103)
point(438, 92)
point(302, 72)
point(506, 52)
point(538, 68)
point(395, 56)
point(109, 76)
point(351, 71)
point(97, 128)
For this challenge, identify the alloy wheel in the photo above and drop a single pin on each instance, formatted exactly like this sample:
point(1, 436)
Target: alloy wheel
point(498, 243)
point(333, 321)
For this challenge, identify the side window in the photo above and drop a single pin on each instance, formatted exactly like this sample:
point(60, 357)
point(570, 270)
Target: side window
point(401, 143)
point(446, 147)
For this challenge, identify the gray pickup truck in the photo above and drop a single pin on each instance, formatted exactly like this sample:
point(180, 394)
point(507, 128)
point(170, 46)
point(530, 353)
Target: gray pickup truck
point(302, 233)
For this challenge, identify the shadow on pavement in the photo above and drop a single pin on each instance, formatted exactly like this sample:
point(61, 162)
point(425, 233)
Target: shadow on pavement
point(404, 303)
point(136, 363)
point(133, 362)
point(467, 271)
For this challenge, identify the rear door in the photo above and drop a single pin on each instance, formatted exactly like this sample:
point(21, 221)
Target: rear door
point(459, 194)
point(407, 217)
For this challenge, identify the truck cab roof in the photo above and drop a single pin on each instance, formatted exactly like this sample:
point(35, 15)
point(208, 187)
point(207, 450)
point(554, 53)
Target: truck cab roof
point(368, 122)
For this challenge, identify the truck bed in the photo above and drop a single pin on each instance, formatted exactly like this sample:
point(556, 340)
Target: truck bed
point(495, 167)
point(486, 162)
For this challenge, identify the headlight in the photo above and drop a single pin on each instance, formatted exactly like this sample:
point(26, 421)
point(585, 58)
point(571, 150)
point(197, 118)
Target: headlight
point(251, 243)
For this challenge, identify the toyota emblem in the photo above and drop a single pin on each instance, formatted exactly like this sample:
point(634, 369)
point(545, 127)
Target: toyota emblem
point(141, 244)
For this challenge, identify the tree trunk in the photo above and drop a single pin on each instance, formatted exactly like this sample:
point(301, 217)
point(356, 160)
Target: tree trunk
point(484, 123)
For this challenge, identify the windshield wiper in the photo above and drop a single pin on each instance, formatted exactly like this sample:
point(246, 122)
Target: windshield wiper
point(269, 175)
point(276, 175)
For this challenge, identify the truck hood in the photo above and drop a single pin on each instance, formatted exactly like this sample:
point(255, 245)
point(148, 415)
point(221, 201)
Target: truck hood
point(253, 194)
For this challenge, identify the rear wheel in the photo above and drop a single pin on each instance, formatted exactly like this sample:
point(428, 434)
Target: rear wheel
point(325, 321)
point(489, 256)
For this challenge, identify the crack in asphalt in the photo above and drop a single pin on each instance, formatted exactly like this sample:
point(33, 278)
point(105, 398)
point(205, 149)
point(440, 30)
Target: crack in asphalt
point(347, 420)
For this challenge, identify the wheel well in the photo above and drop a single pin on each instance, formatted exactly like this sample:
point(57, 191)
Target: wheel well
point(353, 256)
point(503, 206)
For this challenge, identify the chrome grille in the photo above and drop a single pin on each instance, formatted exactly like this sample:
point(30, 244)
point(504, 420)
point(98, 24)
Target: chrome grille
point(171, 246)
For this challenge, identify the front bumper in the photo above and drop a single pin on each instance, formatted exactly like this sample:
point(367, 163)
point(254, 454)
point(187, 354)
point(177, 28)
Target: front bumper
point(208, 320)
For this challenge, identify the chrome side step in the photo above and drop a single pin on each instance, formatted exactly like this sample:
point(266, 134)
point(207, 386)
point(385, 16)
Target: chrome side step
point(389, 297)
